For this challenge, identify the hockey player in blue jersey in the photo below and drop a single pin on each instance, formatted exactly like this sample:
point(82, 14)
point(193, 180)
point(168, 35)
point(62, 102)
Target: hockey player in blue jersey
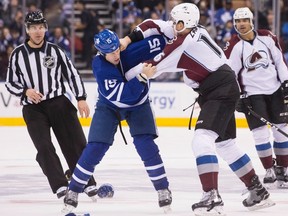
point(119, 100)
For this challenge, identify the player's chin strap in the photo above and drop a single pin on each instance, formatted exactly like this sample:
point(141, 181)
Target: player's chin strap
point(180, 30)
point(192, 105)
point(252, 28)
point(100, 53)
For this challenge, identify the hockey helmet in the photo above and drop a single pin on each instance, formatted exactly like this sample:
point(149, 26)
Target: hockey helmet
point(35, 17)
point(188, 13)
point(106, 41)
point(243, 13)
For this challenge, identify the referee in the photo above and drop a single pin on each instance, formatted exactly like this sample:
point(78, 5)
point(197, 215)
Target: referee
point(36, 74)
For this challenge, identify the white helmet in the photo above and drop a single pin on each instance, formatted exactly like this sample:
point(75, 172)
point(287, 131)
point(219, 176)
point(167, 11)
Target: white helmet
point(188, 13)
point(243, 13)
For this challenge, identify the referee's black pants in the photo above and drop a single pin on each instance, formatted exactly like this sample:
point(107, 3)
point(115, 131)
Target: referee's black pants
point(60, 115)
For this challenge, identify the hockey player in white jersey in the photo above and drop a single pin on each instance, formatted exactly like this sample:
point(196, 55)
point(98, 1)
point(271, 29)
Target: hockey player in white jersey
point(205, 69)
point(257, 59)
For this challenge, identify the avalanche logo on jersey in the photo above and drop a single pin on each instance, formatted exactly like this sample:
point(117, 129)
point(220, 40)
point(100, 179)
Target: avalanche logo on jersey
point(49, 62)
point(257, 60)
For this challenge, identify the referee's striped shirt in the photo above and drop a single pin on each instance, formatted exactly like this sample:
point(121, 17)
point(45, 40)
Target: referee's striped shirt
point(44, 70)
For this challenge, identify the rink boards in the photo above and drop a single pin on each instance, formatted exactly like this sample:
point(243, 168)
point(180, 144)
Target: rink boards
point(168, 101)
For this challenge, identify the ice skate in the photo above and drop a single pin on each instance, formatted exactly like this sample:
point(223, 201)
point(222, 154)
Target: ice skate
point(269, 179)
point(258, 196)
point(61, 192)
point(270, 176)
point(282, 177)
point(91, 192)
point(165, 199)
point(210, 204)
point(70, 202)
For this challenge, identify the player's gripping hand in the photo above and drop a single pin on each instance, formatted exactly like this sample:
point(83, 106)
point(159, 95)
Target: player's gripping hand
point(244, 104)
point(148, 71)
point(124, 42)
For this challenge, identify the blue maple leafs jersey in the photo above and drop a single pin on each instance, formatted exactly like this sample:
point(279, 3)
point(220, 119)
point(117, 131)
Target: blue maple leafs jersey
point(113, 88)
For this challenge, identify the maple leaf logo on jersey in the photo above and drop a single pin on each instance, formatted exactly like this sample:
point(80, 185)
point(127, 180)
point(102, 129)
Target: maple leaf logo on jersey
point(49, 62)
point(257, 60)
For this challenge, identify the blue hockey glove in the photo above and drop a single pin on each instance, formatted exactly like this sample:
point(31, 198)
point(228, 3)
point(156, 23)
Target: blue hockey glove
point(244, 104)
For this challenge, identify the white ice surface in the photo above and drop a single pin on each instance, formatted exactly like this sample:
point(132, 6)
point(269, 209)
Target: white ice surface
point(24, 189)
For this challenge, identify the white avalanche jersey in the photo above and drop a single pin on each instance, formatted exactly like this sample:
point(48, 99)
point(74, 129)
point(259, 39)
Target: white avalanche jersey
point(259, 64)
point(196, 54)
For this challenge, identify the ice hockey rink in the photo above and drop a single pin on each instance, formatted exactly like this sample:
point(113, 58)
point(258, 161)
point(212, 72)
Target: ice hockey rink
point(24, 190)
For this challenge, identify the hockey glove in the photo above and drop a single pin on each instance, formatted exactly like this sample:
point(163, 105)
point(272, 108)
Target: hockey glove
point(244, 104)
point(284, 88)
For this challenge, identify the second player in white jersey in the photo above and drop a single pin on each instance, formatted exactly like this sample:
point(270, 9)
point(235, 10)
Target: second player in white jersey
point(258, 62)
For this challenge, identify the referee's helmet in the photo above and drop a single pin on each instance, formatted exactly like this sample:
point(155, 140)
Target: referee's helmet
point(188, 13)
point(35, 17)
point(106, 41)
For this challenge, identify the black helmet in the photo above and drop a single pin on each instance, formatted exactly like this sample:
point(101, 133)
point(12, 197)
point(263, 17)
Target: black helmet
point(35, 17)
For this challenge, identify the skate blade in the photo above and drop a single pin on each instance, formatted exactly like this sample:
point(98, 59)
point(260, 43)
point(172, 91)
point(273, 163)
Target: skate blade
point(93, 198)
point(216, 211)
point(282, 185)
point(166, 209)
point(271, 186)
point(67, 209)
point(73, 214)
point(263, 204)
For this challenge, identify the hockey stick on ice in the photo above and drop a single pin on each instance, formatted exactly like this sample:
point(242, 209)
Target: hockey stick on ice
point(267, 122)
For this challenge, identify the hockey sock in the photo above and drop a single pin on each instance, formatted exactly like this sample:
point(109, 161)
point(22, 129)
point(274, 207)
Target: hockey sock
point(149, 153)
point(208, 168)
point(281, 152)
point(264, 152)
point(91, 156)
point(243, 169)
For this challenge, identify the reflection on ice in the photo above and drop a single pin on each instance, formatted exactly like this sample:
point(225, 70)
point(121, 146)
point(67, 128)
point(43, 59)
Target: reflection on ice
point(25, 191)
